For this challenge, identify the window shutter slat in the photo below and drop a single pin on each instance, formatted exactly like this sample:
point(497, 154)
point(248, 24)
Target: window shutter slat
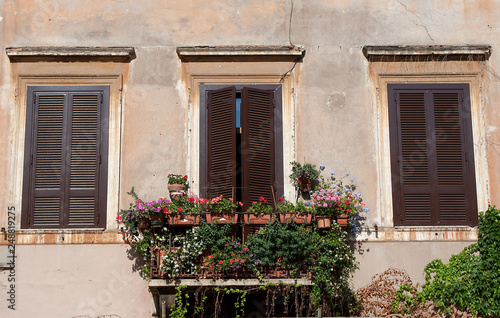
point(49, 142)
point(258, 163)
point(221, 144)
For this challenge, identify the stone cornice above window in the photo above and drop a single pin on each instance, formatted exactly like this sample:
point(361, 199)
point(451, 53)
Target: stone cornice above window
point(70, 54)
point(241, 53)
point(416, 53)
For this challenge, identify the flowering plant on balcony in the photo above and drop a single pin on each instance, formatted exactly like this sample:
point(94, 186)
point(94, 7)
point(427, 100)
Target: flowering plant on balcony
point(220, 205)
point(336, 196)
point(232, 256)
point(186, 203)
point(260, 207)
point(305, 170)
point(177, 179)
point(140, 210)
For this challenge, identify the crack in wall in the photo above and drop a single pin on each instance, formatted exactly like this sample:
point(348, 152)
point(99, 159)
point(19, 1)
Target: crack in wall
point(419, 18)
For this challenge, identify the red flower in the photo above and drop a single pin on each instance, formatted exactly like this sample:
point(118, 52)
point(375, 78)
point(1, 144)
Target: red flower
point(280, 199)
point(348, 210)
point(179, 209)
point(231, 261)
point(220, 262)
point(185, 176)
point(191, 199)
point(346, 202)
point(138, 201)
point(210, 256)
point(169, 174)
point(165, 210)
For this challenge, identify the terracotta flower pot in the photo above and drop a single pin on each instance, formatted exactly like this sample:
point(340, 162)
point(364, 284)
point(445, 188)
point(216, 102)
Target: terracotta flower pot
point(342, 220)
point(157, 219)
point(143, 224)
point(305, 184)
point(175, 187)
point(323, 221)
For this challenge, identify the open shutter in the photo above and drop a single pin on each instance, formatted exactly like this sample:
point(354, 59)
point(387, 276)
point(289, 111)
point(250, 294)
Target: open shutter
point(258, 146)
point(221, 142)
point(431, 152)
point(65, 157)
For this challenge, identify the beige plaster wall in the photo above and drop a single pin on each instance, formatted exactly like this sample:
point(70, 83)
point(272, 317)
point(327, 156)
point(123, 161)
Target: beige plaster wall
point(336, 118)
point(375, 258)
point(75, 280)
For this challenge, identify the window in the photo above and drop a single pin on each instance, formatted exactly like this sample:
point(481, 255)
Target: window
point(241, 143)
point(66, 155)
point(433, 178)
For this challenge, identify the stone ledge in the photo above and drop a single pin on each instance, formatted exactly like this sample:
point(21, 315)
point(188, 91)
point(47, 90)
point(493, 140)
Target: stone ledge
point(240, 53)
point(172, 283)
point(426, 52)
point(70, 54)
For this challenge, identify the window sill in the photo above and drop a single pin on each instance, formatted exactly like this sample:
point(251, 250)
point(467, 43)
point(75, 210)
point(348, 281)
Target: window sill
point(418, 234)
point(65, 236)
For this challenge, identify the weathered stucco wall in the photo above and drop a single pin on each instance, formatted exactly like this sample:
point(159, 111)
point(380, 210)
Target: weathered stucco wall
point(336, 115)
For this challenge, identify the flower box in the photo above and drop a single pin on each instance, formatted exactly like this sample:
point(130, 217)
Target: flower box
point(250, 218)
point(184, 219)
point(296, 217)
point(221, 218)
point(324, 221)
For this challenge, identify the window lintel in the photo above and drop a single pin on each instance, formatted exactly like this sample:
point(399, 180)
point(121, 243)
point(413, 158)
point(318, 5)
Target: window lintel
point(70, 53)
point(241, 53)
point(426, 52)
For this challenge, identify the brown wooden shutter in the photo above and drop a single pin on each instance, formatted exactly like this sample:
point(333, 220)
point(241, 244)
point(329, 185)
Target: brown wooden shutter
point(221, 142)
point(431, 153)
point(258, 146)
point(65, 157)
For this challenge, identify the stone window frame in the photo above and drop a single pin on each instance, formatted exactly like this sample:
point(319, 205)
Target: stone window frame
point(40, 66)
point(239, 65)
point(424, 64)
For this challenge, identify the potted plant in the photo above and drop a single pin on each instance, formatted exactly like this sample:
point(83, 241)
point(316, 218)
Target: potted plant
point(336, 198)
point(259, 212)
point(138, 216)
point(300, 213)
point(304, 176)
point(221, 210)
point(176, 183)
point(184, 209)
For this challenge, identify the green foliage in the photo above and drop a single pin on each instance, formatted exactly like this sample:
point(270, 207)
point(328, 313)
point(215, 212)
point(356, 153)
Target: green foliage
point(406, 299)
point(177, 179)
point(179, 309)
point(471, 280)
point(333, 265)
point(287, 245)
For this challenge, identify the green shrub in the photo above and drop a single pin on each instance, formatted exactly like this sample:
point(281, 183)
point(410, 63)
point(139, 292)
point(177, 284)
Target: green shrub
point(471, 279)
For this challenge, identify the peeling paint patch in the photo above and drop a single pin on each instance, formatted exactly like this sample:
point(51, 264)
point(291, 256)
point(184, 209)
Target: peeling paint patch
point(336, 101)
point(492, 129)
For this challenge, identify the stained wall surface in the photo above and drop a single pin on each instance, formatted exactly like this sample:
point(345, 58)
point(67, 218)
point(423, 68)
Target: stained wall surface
point(335, 116)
